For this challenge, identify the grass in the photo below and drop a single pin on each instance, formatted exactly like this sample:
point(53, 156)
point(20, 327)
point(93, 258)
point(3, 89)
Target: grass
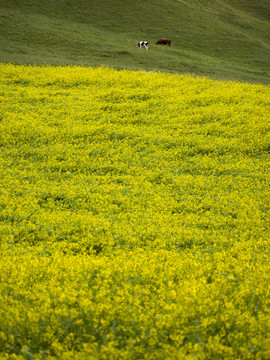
point(219, 39)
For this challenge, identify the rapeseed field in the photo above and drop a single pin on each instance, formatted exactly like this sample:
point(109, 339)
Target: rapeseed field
point(134, 216)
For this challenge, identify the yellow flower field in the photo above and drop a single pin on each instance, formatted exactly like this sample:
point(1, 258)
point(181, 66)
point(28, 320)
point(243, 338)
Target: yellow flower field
point(134, 216)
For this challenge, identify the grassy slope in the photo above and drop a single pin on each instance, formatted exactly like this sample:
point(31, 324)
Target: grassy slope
point(222, 39)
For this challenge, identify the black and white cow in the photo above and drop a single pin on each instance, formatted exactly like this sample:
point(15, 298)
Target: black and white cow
point(143, 44)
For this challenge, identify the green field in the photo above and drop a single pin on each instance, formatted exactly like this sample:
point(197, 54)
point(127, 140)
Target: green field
point(226, 39)
point(134, 216)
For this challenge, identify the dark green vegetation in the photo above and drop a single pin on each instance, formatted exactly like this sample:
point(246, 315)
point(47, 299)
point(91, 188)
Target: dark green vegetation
point(226, 39)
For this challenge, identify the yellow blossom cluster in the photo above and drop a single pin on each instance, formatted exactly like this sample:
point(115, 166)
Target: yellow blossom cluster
point(134, 216)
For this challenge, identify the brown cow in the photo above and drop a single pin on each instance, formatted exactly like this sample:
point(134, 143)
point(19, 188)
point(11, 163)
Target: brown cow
point(164, 42)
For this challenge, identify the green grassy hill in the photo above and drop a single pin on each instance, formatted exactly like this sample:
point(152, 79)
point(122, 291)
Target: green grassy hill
point(223, 39)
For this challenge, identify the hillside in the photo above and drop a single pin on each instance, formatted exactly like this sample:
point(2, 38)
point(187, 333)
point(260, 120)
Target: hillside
point(226, 39)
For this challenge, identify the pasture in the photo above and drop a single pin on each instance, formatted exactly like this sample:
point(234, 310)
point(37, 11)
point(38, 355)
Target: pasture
point(225, 39)
point(134, 215)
